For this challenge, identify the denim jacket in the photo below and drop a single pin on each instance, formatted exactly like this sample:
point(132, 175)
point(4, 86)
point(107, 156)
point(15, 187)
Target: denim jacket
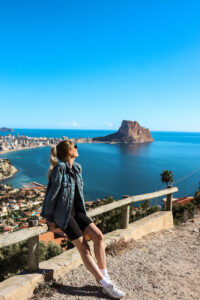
point(60, 191)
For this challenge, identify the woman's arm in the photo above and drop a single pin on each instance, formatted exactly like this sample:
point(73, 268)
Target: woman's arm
point(50, 199)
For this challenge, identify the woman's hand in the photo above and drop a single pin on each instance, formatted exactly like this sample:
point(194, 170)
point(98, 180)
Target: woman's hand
point(51, 225)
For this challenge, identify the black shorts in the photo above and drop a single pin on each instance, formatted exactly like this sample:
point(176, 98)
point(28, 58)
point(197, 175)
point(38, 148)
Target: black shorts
point(76, 224)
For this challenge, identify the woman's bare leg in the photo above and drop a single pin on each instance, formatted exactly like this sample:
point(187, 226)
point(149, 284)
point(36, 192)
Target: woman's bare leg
point(99, 249)
point(84, 250)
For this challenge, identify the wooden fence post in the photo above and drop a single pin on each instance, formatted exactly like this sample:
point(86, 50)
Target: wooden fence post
point(125, 213)
point(33, 252)
point(169, 200)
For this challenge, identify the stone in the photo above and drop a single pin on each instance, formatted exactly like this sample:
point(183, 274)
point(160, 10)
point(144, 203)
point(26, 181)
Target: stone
point(129, 132)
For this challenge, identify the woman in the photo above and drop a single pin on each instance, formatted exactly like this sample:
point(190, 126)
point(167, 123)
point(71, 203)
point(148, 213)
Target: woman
point(64, 204)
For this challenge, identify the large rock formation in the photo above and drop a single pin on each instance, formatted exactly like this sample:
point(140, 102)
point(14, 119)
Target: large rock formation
point(4, 129)
point(129, 132)
point(6, 169)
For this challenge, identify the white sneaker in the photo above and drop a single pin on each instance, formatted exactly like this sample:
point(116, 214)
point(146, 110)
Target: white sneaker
point(113, 291)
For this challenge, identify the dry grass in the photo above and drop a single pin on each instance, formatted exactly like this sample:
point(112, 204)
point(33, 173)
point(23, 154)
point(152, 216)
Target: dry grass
point(119, 247)
point(46, 289)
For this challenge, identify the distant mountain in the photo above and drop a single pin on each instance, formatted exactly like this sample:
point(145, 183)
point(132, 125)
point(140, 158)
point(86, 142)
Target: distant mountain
point(6, 129)
point(129, 132)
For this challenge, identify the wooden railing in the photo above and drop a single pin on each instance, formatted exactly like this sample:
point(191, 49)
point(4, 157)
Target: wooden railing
point(32, 233)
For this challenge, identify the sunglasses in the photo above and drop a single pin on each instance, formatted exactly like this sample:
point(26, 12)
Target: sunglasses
point(75, 146)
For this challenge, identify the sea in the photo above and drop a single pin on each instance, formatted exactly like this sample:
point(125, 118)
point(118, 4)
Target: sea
point(116, 169)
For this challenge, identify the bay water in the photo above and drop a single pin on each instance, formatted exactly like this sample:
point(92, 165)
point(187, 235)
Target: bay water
point(116, 169)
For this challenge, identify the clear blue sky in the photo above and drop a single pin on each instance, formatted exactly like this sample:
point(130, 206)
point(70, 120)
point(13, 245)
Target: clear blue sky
point(91, 64)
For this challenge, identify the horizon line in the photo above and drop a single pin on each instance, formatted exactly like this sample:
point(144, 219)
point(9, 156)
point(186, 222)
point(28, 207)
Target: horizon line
point(103, 129)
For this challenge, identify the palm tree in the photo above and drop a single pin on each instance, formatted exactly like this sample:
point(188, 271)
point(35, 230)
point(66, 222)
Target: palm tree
point(166, 177)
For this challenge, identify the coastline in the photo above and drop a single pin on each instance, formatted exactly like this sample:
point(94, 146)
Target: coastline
point(98, 142)
point(7, 151)
point(78, 142)
point(13, 150)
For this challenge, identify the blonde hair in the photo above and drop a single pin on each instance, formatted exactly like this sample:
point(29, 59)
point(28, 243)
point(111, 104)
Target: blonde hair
point(59, 151)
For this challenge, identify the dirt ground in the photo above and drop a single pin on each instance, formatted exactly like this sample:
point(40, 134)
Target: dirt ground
point(163, 265)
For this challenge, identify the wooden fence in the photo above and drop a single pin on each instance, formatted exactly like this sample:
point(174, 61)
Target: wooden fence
point(32, 233)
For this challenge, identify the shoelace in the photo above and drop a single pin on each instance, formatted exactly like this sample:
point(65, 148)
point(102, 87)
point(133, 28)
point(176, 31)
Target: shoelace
point(113, 283)
point(114, 287)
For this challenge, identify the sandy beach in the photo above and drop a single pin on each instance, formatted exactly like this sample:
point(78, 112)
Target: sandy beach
point(7, 151)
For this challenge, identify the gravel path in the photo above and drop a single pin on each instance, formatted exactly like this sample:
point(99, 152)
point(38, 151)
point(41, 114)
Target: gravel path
point(162, 265)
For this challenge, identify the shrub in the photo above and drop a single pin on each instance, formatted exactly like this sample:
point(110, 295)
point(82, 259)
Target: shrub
point(182, 212)
point(14, 258)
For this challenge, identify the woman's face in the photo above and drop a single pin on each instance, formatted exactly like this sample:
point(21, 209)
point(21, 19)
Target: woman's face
point(73, 151)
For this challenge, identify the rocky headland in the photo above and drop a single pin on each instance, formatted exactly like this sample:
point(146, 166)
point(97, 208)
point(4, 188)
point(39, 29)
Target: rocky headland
point(129, 132)
point(5, 129)
point(6, 169)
